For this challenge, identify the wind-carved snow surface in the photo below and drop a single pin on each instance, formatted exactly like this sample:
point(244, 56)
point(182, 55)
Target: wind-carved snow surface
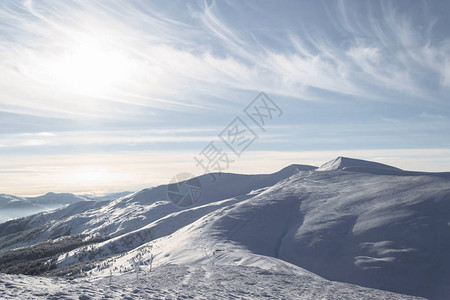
point(350, 220)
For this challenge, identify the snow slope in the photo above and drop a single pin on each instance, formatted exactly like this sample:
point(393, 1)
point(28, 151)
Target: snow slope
point(353, 221)
point(378, 231)
point(133, 212)
point(381, 231)
point(190, 282)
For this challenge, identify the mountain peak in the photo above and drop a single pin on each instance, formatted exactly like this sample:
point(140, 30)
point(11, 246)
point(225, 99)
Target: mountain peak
point(296, 168)
point(342, 163)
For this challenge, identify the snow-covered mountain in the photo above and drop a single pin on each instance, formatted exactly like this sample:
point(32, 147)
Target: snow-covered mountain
point(56, 198)
point(14, 202)
point(350, 220)
point(351, 164)
point(16, 207)
point(109, 196)
point(40, 202)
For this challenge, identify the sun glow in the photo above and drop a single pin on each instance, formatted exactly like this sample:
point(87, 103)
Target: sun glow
point(89, 68)
point(91, 175)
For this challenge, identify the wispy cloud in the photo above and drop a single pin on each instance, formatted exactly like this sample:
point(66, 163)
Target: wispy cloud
point(137, 55)
point(102, 74)
point(109, 137)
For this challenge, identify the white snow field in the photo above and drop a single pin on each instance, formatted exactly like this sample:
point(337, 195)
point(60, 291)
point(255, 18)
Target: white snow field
point(353, 221)
point(191, 282)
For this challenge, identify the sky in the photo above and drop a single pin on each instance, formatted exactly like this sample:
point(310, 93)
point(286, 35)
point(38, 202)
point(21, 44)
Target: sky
point(106, 96)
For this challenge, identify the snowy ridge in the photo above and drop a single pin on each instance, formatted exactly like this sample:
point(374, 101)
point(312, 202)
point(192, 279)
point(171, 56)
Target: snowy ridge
point(362, 166)
point(338, 230)
point(57, 198)
point(345, 221)
point(134, 212)
point(16, 207)
point(8, 202)
point(348, 164)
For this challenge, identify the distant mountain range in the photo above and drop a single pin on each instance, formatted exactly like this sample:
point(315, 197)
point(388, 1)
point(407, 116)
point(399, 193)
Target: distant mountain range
point(353, 221)
point(14, 206)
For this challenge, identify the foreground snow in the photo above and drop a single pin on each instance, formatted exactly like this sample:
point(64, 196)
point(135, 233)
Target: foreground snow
point(190, 282)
